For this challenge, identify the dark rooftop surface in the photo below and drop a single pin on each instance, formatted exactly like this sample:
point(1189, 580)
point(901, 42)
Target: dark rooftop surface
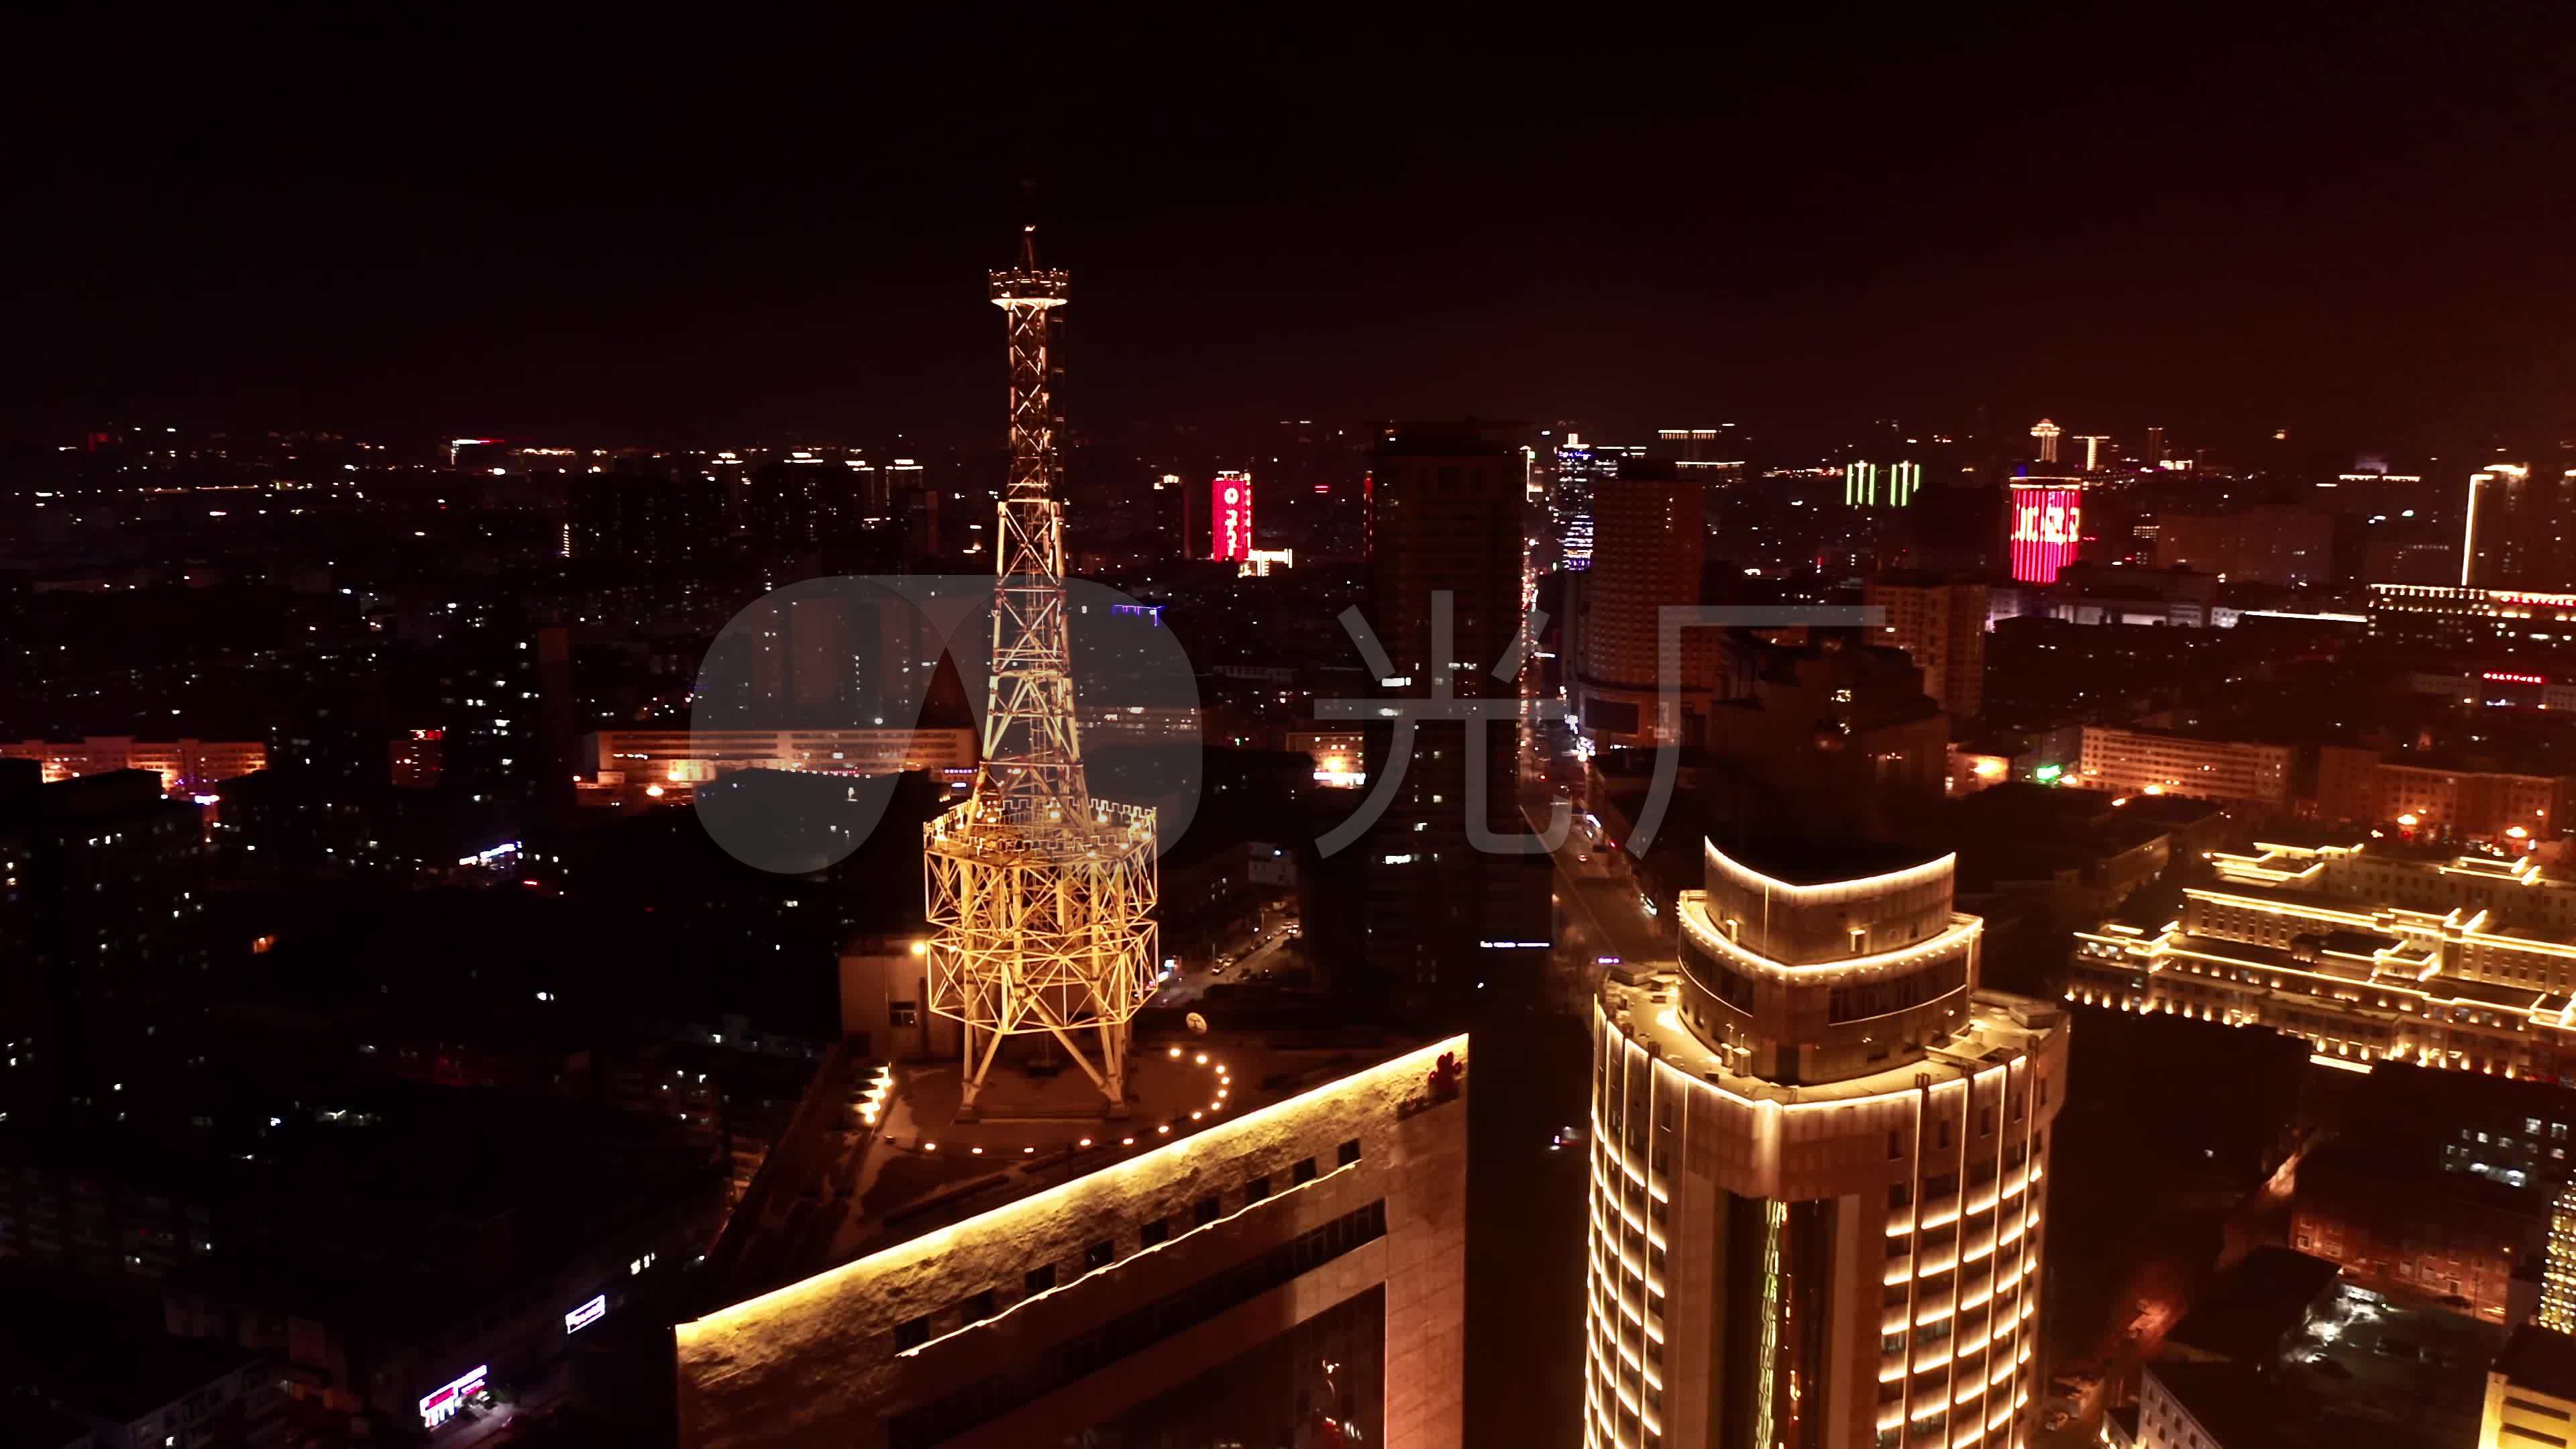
point(2264, 1297)
point(2363, 1373)
point(99, 1353)
point(30, 1425)
point(2358, 943)
point(1801, 861)
point(2540, 1358)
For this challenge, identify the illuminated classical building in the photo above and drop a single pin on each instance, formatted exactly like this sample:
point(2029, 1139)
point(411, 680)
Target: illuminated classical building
point(1270, 1249)
point(1818, 1169)
point(2369, 953)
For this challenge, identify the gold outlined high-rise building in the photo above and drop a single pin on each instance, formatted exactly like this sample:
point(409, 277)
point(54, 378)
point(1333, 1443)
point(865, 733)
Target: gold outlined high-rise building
point(1819, 1163)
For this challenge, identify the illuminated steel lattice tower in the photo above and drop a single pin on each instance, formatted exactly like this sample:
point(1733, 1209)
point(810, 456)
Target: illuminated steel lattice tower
point(1040, 898)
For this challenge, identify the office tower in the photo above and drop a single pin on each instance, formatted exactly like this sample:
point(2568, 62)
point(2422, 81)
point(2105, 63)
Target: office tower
point(1230, 516)
point(1041, 897)
point(2092, 449)
point(1819, 1159)
point(2045, 524)
point(1940, 623)
point(2046, 432)
point(1839, 726)
point(1271, 1251)
point(1444, 601)
point(2156, 445)
point(1580, 467)
point(1648, 530)
point(2520, 532)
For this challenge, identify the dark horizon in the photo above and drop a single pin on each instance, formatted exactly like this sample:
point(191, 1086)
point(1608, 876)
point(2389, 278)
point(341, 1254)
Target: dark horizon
point(2344, 225)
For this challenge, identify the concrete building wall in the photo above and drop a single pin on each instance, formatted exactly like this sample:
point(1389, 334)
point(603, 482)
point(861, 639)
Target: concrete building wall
point(894, 1348)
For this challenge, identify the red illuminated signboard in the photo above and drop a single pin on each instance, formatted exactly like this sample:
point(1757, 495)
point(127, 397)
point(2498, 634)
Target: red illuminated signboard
point(2515, 678)
point(1230, 516)
point(2047, 525)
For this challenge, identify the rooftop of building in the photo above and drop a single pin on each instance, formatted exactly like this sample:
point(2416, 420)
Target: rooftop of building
point(2412, 1187)
point(2361, 1371)
point(2246, 1313)
point(2459, 1099)
point(2445, 989)
point(1926, 579)
point(2000, 1026)
point(2540, 1358)
point(1799, 860)
point(2020, 831)
point(1039, 1124)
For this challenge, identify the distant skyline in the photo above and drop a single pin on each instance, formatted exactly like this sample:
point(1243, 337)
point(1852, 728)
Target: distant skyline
point(2352, 224)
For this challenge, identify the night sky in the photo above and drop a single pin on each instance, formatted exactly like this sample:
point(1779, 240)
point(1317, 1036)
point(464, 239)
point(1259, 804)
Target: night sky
point(2360, 228)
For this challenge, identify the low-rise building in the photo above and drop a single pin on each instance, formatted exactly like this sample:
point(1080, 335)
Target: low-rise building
point(668, 765)
point(2454, 1239)
point(2286, 1355)
point(186, 767)
point(2161, 762)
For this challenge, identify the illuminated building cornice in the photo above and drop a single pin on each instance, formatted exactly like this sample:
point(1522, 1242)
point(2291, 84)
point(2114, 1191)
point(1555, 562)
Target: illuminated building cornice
point(1708, 934)
point(1895, 880)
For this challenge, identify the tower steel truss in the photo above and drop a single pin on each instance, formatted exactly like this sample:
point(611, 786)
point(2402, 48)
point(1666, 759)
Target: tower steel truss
point(1041, 898)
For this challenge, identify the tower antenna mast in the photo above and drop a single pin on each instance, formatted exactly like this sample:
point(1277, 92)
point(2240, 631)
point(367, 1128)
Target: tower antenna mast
point(1041, 898)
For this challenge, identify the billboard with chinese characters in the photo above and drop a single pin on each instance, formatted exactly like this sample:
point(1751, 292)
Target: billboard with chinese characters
point(2047, 525)
point(1230, 517)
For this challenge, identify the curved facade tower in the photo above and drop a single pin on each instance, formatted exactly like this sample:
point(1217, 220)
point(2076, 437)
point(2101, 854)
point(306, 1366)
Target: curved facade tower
point(1819, 1167)
point(1040, 898)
